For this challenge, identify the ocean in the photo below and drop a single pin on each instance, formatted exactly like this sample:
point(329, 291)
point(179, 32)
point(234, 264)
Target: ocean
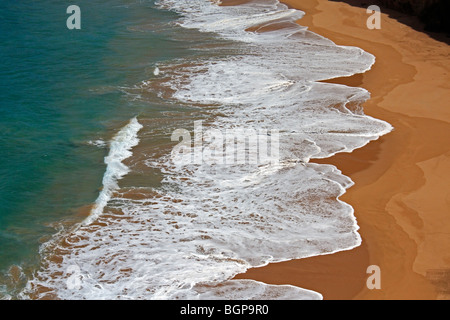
point(94, 202)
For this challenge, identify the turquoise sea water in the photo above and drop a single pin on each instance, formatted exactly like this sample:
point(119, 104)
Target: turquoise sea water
point(59, 90)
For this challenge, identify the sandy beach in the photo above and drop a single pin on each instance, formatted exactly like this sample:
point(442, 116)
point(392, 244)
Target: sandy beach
point(401, 196)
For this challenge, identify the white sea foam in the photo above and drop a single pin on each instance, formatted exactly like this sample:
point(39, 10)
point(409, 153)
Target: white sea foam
point(253, 290)
point(98, 143)
point(119, 150)
point(188, 237)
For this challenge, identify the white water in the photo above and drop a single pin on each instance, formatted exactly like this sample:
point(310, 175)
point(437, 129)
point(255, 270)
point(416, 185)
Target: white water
point(119, 150)
point(205, 224)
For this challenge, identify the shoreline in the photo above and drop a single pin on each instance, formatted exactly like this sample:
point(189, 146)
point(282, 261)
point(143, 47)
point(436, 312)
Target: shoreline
point(400, 199)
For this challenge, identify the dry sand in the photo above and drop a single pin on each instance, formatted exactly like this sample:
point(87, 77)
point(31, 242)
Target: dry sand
point(401, 194)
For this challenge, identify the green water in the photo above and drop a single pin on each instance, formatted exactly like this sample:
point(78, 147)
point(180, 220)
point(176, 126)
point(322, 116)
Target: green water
point(59, 90)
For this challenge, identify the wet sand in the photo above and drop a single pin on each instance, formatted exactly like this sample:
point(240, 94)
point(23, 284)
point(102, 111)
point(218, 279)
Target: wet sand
point(401, 195)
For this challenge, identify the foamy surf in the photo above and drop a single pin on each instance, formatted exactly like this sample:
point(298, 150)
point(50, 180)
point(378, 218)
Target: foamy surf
point(119, 150)
point(187, 237)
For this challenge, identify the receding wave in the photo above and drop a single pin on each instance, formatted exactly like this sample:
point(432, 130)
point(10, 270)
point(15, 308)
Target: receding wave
point(188, 235)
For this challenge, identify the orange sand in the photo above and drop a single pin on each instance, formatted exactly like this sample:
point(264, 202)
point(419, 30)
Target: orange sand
point(401, 196)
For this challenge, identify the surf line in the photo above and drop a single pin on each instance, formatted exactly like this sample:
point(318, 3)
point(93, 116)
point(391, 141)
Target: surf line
point(120, 149)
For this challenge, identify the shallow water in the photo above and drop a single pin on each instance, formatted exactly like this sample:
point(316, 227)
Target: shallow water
point(61, 103)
